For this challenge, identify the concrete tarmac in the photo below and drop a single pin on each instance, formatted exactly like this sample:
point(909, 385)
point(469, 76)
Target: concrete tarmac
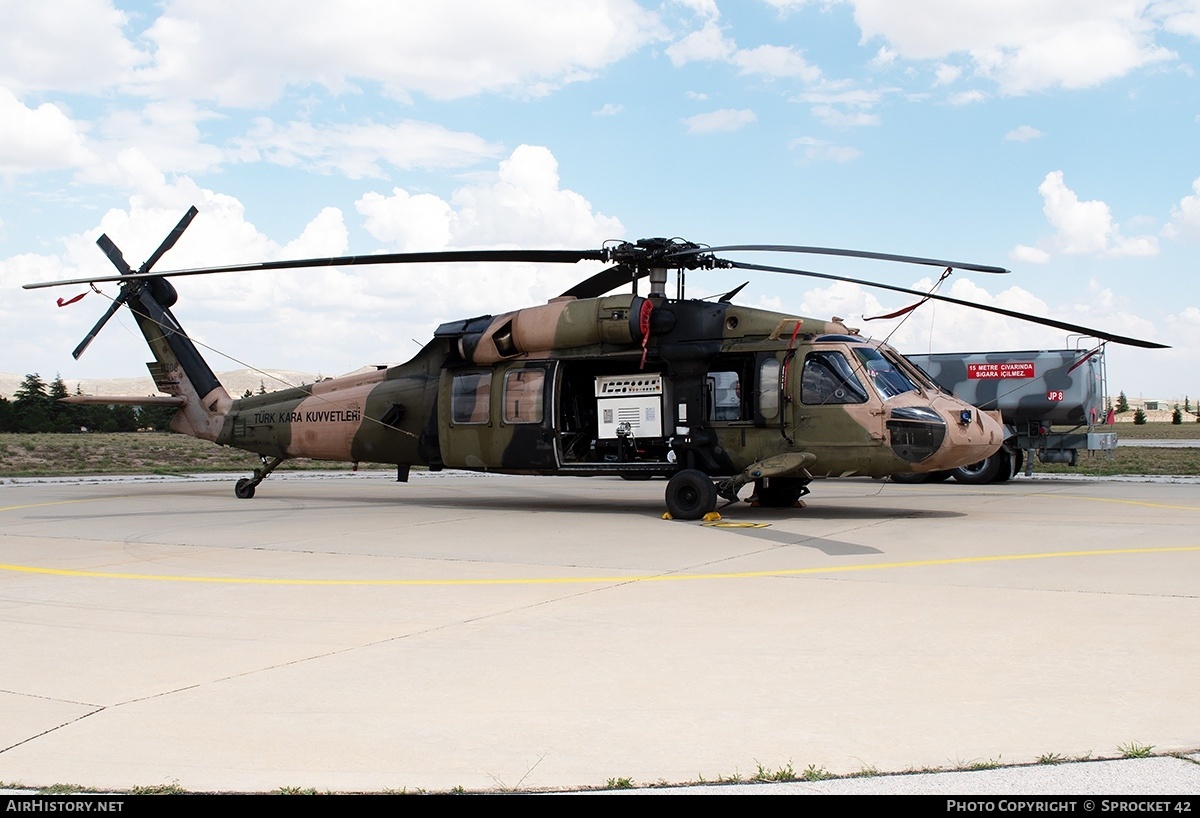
point(354, 634)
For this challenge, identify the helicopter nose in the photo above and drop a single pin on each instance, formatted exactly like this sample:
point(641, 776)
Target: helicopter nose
point(971, 436)
point(943, 434)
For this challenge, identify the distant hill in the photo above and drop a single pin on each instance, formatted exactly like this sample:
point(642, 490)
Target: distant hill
point(235, 382)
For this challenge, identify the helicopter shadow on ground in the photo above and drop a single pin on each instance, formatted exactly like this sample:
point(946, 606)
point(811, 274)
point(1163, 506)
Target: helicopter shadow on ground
point(833, 548)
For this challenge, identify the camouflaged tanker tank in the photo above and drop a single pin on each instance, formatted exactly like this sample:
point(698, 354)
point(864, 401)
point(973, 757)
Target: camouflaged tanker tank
point(710, 395)
point(1052, 403)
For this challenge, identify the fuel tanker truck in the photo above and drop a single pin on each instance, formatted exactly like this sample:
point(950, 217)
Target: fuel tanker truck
point(1053, 404)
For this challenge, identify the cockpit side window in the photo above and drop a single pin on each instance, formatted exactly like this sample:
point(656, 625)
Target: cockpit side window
point(828, 379)
point(768, 388)
point(884, 376)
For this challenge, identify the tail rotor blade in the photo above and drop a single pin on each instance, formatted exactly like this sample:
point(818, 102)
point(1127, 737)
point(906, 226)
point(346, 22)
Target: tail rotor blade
point(170, 240)
point(112, 309)
point(114, 254)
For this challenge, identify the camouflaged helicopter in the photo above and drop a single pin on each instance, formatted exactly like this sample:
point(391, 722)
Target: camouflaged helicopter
point(711, 395)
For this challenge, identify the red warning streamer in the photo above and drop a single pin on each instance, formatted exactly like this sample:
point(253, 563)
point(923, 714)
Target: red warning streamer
point(62, 302)
point(911, 307)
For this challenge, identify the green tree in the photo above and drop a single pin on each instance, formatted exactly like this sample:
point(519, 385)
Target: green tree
point(32, 405)
point(125, 417)
point(157, 418)
point(1177, 416)
point(1139, 418)
point(80, 414)
point(1122, 403)
point(101, 418)
point(8, 416)
point(60, 413)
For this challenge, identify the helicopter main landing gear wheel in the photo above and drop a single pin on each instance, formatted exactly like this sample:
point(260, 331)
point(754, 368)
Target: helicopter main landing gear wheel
point(690, 495)
point(243, 489)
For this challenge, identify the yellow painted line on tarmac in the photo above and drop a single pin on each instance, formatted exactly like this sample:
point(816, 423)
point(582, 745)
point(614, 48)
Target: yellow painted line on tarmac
point(1115, 500)
point(65, 502)
point(604, 580)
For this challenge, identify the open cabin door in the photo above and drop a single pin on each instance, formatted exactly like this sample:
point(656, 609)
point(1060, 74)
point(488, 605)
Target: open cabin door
point(498, 417)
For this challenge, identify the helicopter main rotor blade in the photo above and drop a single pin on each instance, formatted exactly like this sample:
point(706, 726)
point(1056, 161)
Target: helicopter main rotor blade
point(605, 281)
point(1049, 322)
point(835, 251)
point(443, 256)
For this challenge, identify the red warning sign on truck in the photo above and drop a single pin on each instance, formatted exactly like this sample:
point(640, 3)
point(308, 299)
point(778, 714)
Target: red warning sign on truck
point(1014, 370)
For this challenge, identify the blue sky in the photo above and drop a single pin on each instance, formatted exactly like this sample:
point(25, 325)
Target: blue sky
point(1061, 140)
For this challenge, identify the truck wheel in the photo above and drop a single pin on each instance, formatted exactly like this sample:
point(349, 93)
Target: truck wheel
point(1008, 466)
point(690, 495)
point(979, 473)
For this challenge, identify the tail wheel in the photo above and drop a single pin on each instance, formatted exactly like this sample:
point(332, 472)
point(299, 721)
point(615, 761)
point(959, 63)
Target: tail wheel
point(244, 489)
point(690, 495)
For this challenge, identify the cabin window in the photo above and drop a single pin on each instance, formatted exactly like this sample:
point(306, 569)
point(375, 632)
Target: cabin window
point(768, 388)
point(523, 395)
point(887, 379)
point(470, 397)
point(725, 396)
point(828, 379)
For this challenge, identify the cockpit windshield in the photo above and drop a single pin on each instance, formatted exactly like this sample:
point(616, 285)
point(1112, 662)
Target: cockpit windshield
point(888, 380)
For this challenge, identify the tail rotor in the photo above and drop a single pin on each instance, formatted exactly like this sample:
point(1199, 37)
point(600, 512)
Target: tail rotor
point(163, 291)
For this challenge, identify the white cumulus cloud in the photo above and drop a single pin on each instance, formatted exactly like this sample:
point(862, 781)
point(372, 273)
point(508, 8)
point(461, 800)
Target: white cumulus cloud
point(1185, 217)
point(76, 46)
point(1081, 227)
point(359, 150)
point(249, 55)
point(706, 43)
point(723, 119)
point(837, 118)
point(1024, 45)
point(42, 138)
point(775, 61)
point(523, 206)
point(1023, 133)
point(820, 150)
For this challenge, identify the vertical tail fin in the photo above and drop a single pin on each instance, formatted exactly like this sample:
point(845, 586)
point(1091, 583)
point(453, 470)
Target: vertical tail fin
point(178, 368)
